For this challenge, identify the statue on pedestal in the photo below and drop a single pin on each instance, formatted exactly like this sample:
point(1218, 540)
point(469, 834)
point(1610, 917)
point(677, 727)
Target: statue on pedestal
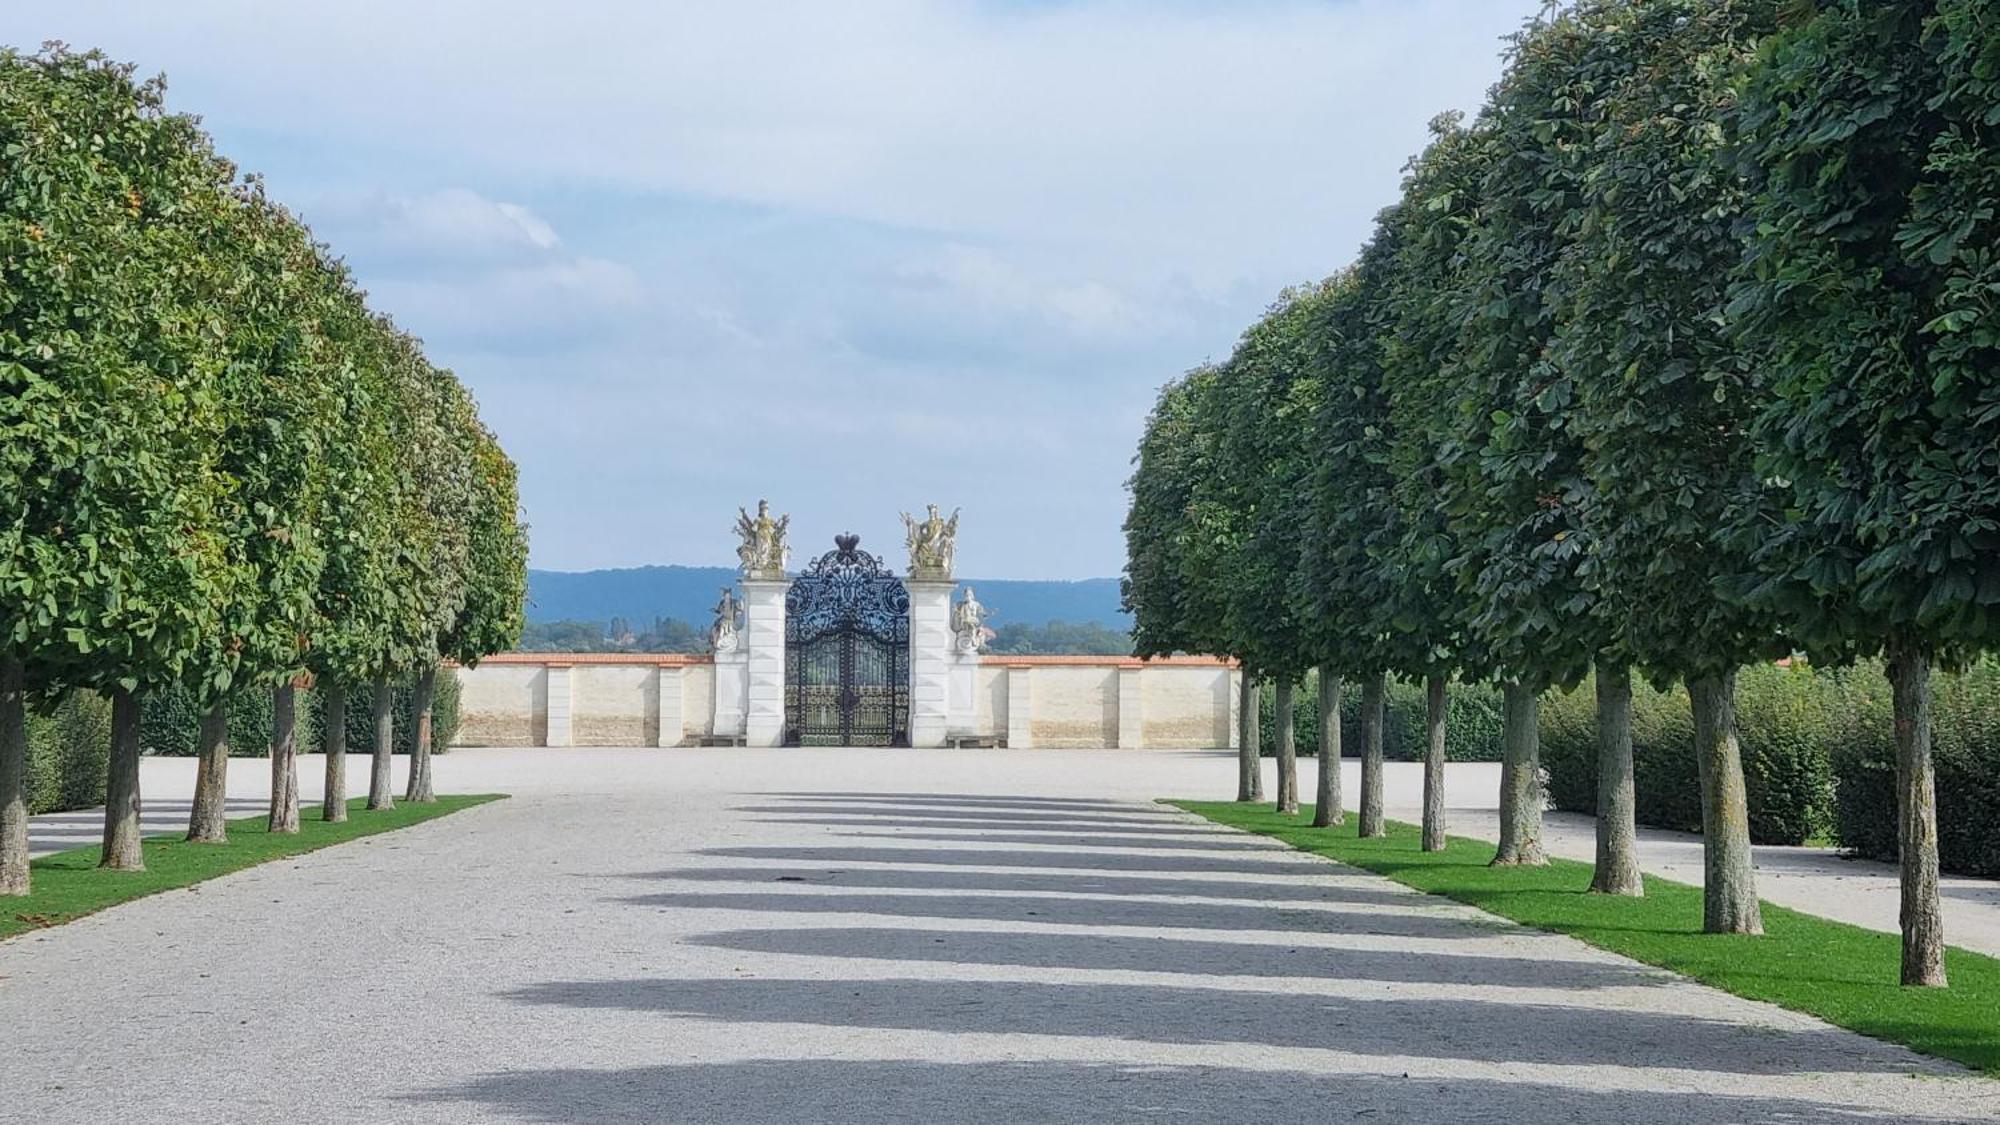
point(932, 541)
point(763, 551)
point(722, 638)
point(968, 623)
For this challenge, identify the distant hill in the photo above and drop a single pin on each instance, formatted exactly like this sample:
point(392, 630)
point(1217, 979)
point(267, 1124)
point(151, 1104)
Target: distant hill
point(640, 594)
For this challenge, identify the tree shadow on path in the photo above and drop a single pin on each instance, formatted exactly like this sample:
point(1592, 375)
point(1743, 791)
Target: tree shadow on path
point(1300, 918)
point(1485, 1031)
point(1183, 957)
point(1052, 857)
point(1058, 882)
point(790, 1091)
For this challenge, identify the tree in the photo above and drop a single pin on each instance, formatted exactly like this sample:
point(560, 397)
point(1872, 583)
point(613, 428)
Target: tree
point(1339, 587)
point(113, 566)
point(444, 458)
point(1415, 542)
point(426, 561)
point(1264, 403)
point(1870, 143)
point(490, 618)
point(1176, 540)
point(1664, 397)
point(1513, 484)
point(279, 377)
point(357, 603)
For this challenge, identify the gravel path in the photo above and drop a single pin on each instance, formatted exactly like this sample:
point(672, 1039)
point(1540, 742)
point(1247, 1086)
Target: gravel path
point(846, 936)
point(1816, 880)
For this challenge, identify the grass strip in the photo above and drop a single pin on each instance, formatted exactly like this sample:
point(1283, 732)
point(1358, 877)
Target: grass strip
point(69, 885)
point(1843, 974)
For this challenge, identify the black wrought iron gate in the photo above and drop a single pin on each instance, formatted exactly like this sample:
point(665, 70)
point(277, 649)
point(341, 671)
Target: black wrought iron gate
point(847, 652)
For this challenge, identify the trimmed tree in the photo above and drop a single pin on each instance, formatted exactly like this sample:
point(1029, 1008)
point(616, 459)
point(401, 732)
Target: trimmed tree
point(279, 377)
point(357, 603)
point(1416, 543)
point(113, 568)
point(1175, 532)
point(1264, 402)
point(1870, 141)
point(496, 588)
point(1346, 585)
point(1663, 402)
point(1512, 481)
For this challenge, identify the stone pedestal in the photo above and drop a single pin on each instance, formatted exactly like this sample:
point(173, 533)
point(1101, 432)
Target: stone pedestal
point(931, 661)
point(764, 663)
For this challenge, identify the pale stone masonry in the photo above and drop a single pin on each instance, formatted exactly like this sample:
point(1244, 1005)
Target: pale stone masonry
point(640, 699)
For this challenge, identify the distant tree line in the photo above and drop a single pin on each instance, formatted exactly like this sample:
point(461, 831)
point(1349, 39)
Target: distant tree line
point(1059, 638)
point(665, 634)
point(222, 471)
point(671, 634)
point(1681, 355)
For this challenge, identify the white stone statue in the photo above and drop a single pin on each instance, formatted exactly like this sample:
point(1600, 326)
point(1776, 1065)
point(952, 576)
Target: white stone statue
point(722, 636)
point(968, 623)
point(763, 551)
point(933, 542)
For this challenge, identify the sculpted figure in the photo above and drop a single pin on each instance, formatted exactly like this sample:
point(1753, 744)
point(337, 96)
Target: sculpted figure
point(932, 542)
point(762, 552)
point(968, 620)
point(722, 634)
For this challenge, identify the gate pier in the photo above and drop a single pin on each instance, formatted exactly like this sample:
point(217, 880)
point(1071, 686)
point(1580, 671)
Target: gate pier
point(930, 662)
point(764, 664)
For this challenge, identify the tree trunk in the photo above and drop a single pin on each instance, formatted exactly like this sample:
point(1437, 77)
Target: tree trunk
point(208, 820)
point(1250, 770)
point(1617, 871)
point(1326, 808)
point(1288, 752)
point(1372, 823)
point(419, 788)
point(1434, 699)
point(1729, 880)
point(1520, 780)
point(121, 788)
point(1916, 818)
point(385, 747)
point(14, 876)
point(285, 758)
point(333, 735)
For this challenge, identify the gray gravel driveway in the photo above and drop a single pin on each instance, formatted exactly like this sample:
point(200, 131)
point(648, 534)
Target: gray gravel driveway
point(856, 936)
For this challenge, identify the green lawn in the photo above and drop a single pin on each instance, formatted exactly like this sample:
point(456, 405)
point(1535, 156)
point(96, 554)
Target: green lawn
point(68, 884)
point(1843, 974)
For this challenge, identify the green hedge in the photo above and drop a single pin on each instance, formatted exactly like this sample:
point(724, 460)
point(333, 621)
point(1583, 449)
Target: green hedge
point(170, 724)
point(68, 746)
point(1786, 720)
point(1471, 726)
point(1965, 748)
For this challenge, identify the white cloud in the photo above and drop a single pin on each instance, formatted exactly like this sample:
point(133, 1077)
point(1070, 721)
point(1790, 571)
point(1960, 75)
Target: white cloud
point(990, 285)
point(1214, 139)
point(452, 226)
point(853, 256)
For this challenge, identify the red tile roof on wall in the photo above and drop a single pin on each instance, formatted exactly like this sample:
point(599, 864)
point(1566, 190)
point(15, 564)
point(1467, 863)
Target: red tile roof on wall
point(1010, 660)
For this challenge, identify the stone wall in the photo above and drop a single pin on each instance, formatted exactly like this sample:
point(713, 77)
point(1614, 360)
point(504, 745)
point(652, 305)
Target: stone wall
point(619, 699)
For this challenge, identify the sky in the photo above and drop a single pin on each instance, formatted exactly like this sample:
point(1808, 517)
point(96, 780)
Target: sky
point(853, 257)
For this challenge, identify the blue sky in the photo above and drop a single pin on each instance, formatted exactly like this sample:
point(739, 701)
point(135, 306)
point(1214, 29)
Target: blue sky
point(854, 257)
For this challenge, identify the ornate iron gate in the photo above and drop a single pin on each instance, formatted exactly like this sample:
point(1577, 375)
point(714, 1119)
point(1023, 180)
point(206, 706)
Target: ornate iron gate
point(847, 652)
